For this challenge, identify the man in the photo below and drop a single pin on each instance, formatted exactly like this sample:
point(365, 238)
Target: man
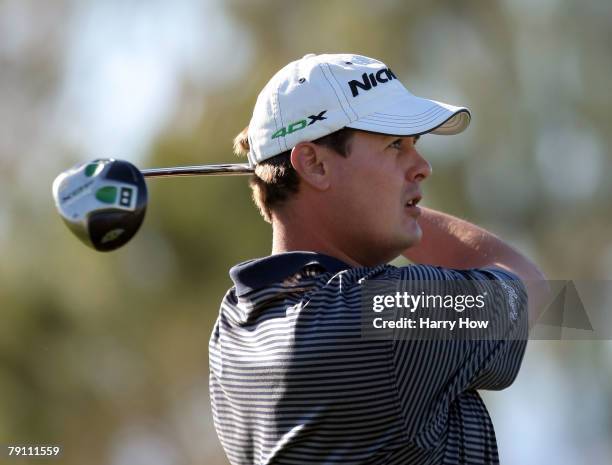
point(338, 175)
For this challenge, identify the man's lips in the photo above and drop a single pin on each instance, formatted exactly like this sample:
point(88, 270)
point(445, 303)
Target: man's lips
point(411, 205)
point(413, 200)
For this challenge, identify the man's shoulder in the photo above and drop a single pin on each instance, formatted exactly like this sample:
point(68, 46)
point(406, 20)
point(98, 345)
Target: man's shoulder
point(435, 273)
point(266, 272)
point(263, 272)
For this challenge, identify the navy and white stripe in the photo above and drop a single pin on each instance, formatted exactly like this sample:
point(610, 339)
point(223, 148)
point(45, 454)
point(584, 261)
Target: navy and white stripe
point(293, 382)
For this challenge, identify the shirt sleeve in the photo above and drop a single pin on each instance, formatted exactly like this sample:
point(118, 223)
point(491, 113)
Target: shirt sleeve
point(431, 373)
point(502, 357)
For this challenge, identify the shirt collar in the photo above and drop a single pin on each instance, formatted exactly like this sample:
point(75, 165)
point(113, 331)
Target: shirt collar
point(261, 272)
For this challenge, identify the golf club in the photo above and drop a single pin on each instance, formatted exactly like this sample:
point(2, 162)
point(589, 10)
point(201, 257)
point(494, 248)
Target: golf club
point(103, 202)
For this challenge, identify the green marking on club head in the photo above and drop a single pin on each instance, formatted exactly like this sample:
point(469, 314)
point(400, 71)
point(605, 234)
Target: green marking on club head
point(93, 168)
point(112, 235)
point(107, 194)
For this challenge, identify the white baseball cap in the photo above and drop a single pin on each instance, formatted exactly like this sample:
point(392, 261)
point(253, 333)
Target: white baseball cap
point(320, 94)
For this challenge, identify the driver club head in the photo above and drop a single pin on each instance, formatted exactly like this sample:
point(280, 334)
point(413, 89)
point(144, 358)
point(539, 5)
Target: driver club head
point(103, 202)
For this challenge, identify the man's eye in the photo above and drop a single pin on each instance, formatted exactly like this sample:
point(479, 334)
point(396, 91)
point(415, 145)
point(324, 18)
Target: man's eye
point(396, 144)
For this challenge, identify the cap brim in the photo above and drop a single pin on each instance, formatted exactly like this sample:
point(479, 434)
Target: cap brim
point(411, 116)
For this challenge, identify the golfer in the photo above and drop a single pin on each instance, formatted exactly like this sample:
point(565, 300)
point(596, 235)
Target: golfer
point(334, 143)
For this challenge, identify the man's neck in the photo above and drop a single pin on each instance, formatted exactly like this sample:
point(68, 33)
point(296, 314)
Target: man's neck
point(288, 239)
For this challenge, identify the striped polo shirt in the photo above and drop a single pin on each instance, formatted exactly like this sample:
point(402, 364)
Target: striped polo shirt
point(292, 380)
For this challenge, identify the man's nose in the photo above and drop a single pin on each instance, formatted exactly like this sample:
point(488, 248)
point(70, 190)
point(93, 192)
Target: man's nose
point(420, 169)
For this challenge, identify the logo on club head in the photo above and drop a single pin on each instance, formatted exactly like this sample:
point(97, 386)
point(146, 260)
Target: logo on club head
point(93, 169)
point(123, 197)
point(76, 193)
point(107, 194)
point(112, 235)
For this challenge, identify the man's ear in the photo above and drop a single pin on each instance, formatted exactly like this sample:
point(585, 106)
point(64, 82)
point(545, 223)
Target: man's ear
point(310, 162)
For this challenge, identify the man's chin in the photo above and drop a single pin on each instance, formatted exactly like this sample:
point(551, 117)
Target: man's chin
point(405, 242)
point(413, 237)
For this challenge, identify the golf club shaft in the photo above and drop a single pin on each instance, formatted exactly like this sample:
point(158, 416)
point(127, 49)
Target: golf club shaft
point(199, 170)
